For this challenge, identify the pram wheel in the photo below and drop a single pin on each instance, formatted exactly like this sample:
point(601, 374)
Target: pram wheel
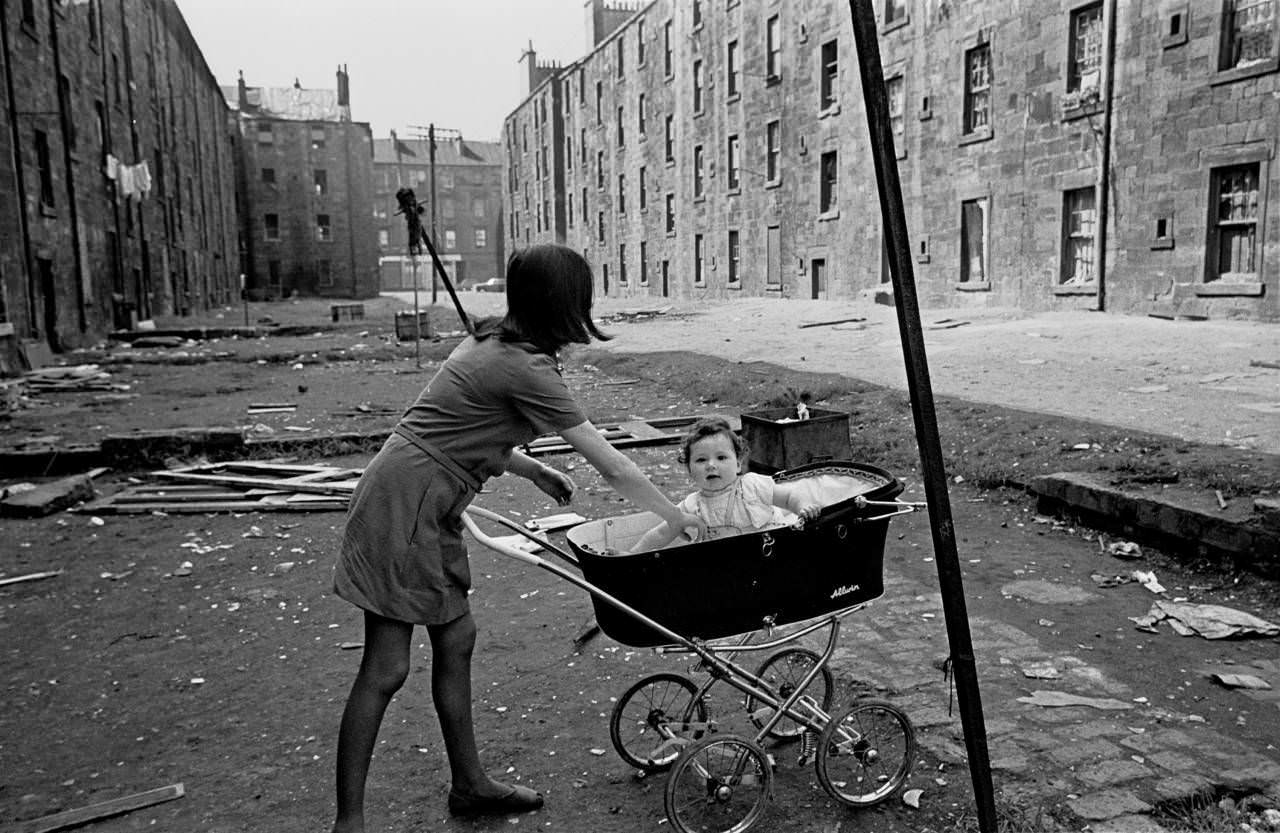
point(719, 784)
point(865, 754)
point(783, 672)
point(648, 724)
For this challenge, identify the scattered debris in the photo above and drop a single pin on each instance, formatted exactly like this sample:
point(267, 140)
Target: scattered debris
point(47, 498)
point(1147, 579)
point(102, 810)
point(29, 577)
point(71, 379)
point(1041, 671)
point(1124, 549)
point(1209, 621)
point(831, 323)
point(272, 408)
point(1110, 581)
point(945, 324)
point(1240, 681)
point(1222, 501)
point(911, 798)
point(1053, 699)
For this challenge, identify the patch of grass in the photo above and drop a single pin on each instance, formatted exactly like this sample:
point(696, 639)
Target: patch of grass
point(1219, 810)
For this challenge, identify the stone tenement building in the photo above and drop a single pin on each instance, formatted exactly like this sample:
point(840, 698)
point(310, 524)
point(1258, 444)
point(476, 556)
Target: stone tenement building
point(468, 182)
point(116, 201)
point(704, 148)
point(305, 174)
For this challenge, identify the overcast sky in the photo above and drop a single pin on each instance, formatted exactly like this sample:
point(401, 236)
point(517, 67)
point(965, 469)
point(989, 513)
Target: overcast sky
point(411, 62)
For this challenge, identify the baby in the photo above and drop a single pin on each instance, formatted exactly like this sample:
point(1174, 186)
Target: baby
point(729, 499)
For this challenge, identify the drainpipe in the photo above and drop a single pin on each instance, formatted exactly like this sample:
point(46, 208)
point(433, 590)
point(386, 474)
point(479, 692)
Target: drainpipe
point(19, 176)
point(1103, 183)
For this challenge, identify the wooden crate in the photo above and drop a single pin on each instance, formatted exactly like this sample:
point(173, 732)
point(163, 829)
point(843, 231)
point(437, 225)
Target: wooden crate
point(777, 444)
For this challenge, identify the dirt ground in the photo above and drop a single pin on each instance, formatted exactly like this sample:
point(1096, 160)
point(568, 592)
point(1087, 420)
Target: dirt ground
point(126, 673)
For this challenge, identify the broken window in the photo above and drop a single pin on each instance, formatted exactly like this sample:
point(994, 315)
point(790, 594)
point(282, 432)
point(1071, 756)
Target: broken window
point(1079, 219)
point(1084, 62)
point(973, 241)
point(324, 229)
point(977, 89)
point(732, 168)
point(1233, 234)
point(828, 171)
point(1249, 33)
point(830, 70)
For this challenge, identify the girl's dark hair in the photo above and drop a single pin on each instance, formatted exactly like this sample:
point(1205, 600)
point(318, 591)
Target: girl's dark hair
point(549, 298)
point(709, 427)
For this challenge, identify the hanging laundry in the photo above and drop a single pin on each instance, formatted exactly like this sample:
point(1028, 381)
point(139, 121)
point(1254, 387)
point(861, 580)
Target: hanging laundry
point(112, 166)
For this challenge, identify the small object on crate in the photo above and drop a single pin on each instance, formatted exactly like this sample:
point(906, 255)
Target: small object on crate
point(406, 330)
point(346, 312)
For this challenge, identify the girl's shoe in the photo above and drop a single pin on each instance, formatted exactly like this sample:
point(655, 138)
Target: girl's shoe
point(517, 800)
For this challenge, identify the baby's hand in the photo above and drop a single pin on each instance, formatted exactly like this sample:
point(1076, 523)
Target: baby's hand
point(810, 511)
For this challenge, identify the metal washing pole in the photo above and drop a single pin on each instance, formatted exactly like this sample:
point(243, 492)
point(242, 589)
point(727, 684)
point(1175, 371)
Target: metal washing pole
point(922, 409)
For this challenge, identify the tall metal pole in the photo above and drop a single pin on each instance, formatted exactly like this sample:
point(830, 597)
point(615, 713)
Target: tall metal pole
point(431, 140)
point(926, 421)
point(411, 248)
point(1103, 182)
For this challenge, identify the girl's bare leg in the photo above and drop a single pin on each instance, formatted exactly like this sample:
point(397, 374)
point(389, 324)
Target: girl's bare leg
point(383, 670)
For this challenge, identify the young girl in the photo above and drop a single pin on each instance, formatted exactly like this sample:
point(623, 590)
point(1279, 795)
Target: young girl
point(403, 560)
point(729, 500)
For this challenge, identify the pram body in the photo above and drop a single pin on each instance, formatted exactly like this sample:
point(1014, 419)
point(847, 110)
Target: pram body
point(720, 587)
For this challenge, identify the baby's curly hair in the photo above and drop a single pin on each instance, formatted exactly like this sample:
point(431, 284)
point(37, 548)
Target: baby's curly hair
point(709, 427)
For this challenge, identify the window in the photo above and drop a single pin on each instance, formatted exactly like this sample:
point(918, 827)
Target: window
point(1084, 51)
point(622, 193)
point(568, 153)
point(582, 147)
point(273, 274)
point(1079, 218)
point(620, 46)
point(265, 134)
point(699, 253)
point(773, 49)
point(732, 168)
point(568, 204)
point(622, 138)
point(317, 138)
point(671, 213)
point(599, 102)
point(731, 69)
point(477, 209)
point(44, 164)
point(384, 238)
point(1249, 34)
point(324, 230)
point(697, 171)
point(773, 151)
point(600, 226)
point(600, 169)
point(973, 241)
point(641, 188)
point(697, 13)
point(894, 11)
point(450, 239)
point(481, 239)
point(829, 74)
point(734, 256)
point(321, 179)
point(28, 12)
point(897, 113)
point(324, 273)
point(670, 138)
point(640, 42)
point(622, 263)
point(447, 209)
point(271, 226)
point(697, 86)
point(64, 92)
point(640, 114)
point(584, 205)
point(268, 176)
point(1233, 233)
point(644, 263)
point(667, 67)
point(977, 89)
point(828, 171)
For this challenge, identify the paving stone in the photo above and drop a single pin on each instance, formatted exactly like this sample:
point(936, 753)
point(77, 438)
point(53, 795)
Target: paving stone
point(1149, 742)
point(1107, 804)
point(1129, 824)
point(1172, 761)
point(1074, 752)
point(1113, 772)
point(1182, 786)
point(1047, 592)
point(1102, 729)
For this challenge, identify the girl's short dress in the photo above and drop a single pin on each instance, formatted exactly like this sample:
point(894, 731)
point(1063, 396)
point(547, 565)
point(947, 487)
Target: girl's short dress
point(403, 556)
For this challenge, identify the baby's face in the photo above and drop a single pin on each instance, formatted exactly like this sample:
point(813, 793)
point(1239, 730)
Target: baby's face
point(713, 463)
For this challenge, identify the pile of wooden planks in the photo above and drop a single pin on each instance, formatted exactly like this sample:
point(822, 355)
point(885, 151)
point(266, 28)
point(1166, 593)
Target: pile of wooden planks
point(241, 486)
point(84, 377)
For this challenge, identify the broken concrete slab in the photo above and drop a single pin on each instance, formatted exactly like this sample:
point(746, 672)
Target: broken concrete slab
point(47, 498)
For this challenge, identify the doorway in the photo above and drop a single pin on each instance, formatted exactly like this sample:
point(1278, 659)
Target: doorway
point(666, 279)
point(818, 271)
point(49, 302)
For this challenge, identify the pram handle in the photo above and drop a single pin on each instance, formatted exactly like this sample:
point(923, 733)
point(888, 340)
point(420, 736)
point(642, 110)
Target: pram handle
point(506, 549)
point(902, 507)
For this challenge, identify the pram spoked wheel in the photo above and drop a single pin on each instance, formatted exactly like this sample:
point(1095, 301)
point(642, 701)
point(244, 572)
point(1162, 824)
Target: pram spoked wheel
point(648, 724)
point(783, 672)
point(866, 753)
point(720, 783)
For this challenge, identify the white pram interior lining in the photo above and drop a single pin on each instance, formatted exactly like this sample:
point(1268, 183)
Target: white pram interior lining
point(615, 536)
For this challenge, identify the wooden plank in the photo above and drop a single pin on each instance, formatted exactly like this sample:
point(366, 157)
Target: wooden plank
point(255, 482)
point(643, 431)
point(29, 577)
point(102, 810)
point(222, 506)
